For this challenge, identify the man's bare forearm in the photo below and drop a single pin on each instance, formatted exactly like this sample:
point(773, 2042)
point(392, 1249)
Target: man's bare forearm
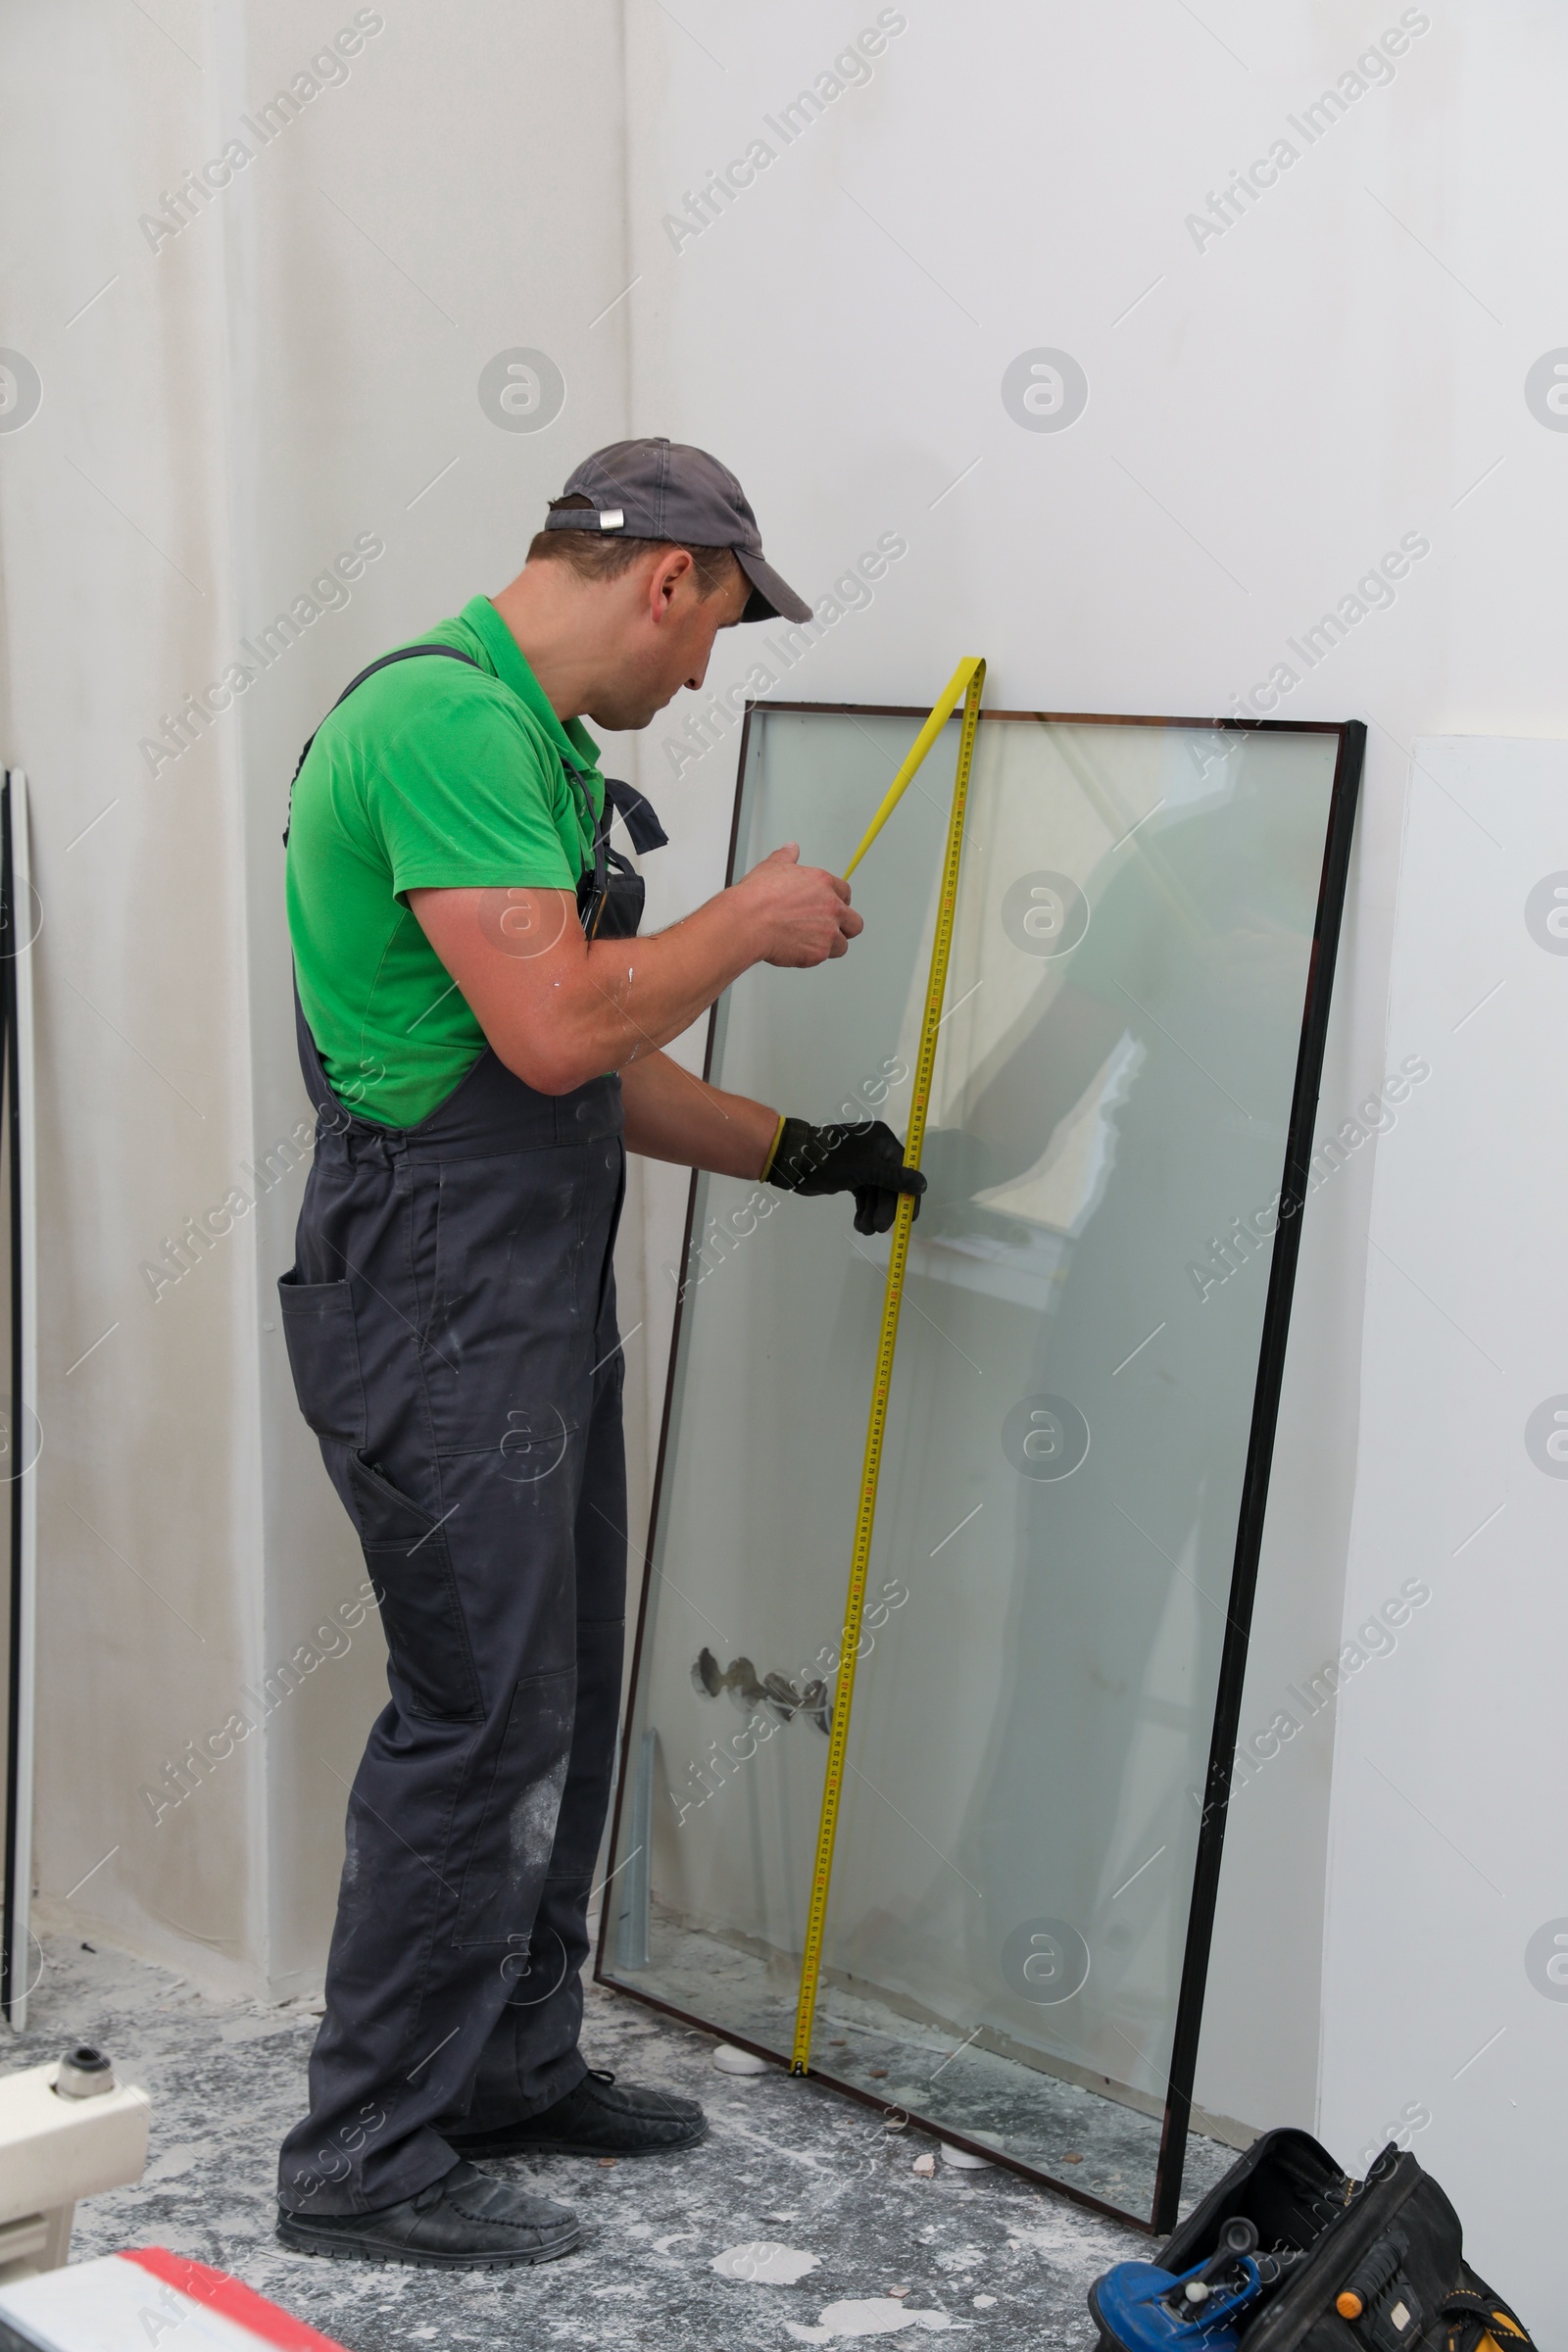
point(559, 1012)
point(642, 992)
point(673, 1115)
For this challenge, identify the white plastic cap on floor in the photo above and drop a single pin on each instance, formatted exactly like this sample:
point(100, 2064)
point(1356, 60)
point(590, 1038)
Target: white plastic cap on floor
point(149, 2297)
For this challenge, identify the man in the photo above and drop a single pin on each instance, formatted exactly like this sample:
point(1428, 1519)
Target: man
point(482, 1040)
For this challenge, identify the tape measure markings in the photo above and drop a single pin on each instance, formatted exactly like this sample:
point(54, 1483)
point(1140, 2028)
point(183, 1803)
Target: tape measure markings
point(967, 680)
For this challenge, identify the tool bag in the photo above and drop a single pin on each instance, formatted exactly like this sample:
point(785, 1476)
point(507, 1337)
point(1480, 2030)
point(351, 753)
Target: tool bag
point(1289, 2254)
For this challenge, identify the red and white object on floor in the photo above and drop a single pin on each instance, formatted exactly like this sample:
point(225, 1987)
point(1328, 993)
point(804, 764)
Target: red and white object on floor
point(147, 2298)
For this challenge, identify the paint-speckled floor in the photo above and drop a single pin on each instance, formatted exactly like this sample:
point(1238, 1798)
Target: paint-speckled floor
point(925, 2069)
point(980, 2253)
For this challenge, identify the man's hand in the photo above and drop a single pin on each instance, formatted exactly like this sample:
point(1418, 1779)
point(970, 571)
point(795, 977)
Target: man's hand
point(802, 913)
point(866, 1160)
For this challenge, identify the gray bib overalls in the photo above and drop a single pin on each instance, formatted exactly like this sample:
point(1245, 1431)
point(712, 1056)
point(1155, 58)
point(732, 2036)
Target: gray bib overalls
point(451, 1325)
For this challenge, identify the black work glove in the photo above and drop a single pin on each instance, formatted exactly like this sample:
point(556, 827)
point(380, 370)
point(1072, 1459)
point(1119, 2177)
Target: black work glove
point(866, 1160)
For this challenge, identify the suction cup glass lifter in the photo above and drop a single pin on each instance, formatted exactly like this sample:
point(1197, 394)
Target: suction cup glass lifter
point(1141, 2307)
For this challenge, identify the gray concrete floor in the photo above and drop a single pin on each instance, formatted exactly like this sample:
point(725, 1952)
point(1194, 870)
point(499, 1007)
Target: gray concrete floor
point(925, 2069)
point(979, 2253)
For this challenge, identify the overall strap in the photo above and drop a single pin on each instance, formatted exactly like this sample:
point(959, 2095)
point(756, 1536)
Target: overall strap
point(635, 813)
point(405, 653)
point(598, 885)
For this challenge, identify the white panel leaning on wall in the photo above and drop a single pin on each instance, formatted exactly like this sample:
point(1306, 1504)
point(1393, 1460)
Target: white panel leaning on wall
point(1445, 1977)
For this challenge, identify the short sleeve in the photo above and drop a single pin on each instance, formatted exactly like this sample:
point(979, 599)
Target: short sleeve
point(468, 795)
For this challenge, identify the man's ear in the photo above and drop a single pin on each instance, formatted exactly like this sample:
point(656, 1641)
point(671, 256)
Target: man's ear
point(670, 570)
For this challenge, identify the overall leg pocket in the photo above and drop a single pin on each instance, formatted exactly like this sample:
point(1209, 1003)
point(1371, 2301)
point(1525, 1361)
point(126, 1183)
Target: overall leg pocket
point(421, 1612)
point(323, 1355)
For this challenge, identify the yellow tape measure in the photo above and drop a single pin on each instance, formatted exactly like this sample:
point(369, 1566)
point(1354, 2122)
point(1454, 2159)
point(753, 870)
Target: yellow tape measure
point(968, 681)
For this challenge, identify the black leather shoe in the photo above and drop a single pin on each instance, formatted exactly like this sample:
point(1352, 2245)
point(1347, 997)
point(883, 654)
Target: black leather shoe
point(595, 2119)
point(467, 2221)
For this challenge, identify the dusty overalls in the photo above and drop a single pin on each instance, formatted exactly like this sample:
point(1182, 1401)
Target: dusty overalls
point(451, 1325)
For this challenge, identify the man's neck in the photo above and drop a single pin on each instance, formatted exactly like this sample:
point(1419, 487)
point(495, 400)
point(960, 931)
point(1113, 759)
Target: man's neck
point(556, 632)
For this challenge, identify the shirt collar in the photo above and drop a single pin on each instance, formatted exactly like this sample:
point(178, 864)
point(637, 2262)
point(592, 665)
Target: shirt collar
point(570, 737)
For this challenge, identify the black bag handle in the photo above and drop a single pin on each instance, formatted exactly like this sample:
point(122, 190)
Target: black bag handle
point(1488, 2314)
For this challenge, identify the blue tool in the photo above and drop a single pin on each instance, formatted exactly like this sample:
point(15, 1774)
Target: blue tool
point(1141, 2307)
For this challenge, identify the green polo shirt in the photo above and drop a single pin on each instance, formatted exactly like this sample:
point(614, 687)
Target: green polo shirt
point(431, 775)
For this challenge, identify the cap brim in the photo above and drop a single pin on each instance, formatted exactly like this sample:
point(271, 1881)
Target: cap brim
point(771, 598)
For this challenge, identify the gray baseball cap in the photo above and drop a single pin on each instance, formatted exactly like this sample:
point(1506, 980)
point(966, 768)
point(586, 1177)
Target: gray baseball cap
point(667, 490)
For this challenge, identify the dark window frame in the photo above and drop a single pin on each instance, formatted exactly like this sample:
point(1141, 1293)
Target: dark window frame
point(1253, 1511)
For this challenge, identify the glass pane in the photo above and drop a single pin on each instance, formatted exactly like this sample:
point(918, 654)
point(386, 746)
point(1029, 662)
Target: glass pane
point(1068, 1431)
point(778, 1334)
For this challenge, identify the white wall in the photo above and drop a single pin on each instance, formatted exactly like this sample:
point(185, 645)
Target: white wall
point(117, 555)
point(1444, 1984)
point(1267, 415)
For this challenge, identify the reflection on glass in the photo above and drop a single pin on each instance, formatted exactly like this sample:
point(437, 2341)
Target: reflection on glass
point(1067, 1431)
